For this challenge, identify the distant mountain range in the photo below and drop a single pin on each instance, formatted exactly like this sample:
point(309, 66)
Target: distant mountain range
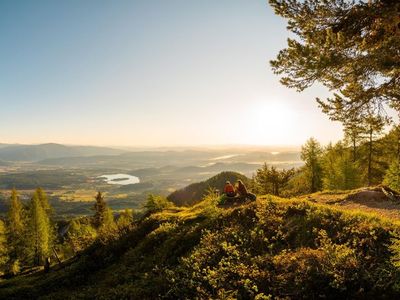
point(32, 153)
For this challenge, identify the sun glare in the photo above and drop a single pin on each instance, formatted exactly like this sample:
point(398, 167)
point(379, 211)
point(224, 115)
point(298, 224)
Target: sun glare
point(269, 123)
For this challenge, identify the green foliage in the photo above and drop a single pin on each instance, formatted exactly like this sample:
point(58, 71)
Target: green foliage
point(270, 180)
point(271, 248)
point(103, 215)
point(340, 172)
point(44, 201)
point(125, 220)
point(40, 232)
point(392, 177)
point(349, 46)
point(298, 184)
point(80, 236)
point(16, 233)
point(3, 247)
point(156, 203)
point(311, 154)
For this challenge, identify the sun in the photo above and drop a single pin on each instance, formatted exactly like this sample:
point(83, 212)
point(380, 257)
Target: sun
point(269, 122)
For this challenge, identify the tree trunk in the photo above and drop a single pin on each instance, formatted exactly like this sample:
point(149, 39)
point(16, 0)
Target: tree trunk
point(370, 158)
point(312, 182)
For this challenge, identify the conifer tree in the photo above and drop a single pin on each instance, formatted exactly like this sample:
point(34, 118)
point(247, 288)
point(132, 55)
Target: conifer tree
point(311, 154)
point(353, 130)
point(373, 127)
point(349, 46)
point(3, 247)
point(103, 217)
point(392, 177)
point(261, 180)
point(270, 180)
point(40, 231)
point(16, 234)
point(44, 200)
point(340, 172)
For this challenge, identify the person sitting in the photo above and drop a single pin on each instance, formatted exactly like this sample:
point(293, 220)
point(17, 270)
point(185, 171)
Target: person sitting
point(229, 189)
point(243, 192)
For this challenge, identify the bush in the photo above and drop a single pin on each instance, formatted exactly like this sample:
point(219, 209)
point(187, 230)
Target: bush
point(156, 203)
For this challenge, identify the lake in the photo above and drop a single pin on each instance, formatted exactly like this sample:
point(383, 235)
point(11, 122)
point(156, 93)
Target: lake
point(122, 179)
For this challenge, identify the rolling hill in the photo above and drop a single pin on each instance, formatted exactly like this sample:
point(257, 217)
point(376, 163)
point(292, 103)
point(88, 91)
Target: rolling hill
point(269, 249)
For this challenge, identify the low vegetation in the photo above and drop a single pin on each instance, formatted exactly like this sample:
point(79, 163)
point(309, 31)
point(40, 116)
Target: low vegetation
point(270, 248)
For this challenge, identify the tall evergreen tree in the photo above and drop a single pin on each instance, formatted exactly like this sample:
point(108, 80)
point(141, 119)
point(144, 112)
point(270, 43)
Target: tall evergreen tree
point(3, 247)
point(353, 130)
point(44, 201)
point(311, 154)
point(373, 127)
point(16, 234)
point(40, 231)
point(103, 217)
point(340, 172)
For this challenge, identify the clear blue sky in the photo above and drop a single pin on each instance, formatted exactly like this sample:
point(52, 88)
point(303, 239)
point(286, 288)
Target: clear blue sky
point(149, 72)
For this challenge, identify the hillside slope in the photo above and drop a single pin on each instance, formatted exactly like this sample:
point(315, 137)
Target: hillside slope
point(285, 248)
point(194, 192)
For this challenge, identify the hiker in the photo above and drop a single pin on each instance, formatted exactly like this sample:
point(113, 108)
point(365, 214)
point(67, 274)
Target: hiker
point(229, 189)
point(242, 190)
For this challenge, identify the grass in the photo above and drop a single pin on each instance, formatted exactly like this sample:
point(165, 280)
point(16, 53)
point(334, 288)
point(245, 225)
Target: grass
point(269, 248)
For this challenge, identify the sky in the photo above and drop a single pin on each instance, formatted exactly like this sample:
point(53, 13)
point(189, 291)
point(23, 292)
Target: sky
point(150, 73)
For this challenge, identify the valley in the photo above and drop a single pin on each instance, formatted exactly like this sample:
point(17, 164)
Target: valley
point(73, 181)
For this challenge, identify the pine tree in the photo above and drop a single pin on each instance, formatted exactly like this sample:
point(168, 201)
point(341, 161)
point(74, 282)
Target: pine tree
point(103, 217)
point(40, 231)
point(373, 127)
point(44, 200)
point(349, 46)
point(3, 247)
point(16, 234)
point(264, 186)
point(100, 208)
point(340, 172)
point(353, 130)
point(392, 177)
point(270, 180)
point(311, 154)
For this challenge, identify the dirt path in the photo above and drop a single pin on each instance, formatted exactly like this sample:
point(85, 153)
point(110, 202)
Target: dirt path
point(371, 200)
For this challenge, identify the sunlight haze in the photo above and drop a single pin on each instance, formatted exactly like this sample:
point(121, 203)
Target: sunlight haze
point(152, 73)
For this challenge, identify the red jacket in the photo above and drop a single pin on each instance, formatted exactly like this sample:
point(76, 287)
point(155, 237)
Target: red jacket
point(229, 189)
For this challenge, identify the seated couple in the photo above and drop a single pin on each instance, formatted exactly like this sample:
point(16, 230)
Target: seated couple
point(240, 190)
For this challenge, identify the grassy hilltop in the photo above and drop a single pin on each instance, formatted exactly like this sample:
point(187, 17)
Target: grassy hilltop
point(266, 249)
